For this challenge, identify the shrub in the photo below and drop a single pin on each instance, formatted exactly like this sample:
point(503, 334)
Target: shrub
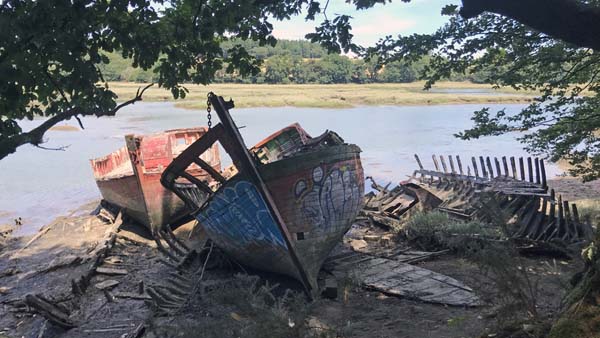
point(435, 230)
point(422, 229)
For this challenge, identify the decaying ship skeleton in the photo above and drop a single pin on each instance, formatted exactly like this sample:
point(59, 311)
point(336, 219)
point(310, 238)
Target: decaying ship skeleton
point(519, 192)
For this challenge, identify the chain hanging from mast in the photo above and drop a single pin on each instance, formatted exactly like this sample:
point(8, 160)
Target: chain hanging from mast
point(208, 110)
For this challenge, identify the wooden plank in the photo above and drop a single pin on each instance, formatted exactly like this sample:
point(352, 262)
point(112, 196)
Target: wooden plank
point(522, 167)
point(546, 231)
point(49, 310)
point(435, 163)
point(505, 165)
point(552, 214)
point(419, 162)
point(483, 171)
point(450, 176)
point(132, 295)
point(459, 164)
point(111, 271)
point(451, 164)
point(529, 217)
point(489, 166)
point(535, 229)
point(561, 218)
point(405, 280)
point(497, 163)
point(210, 170)
point(569, 224)
point(530, 167)
point(543, 168)
point(513, 166)
point(475, 166)
point(200, 184)
point(388, 272)
point(537, 171)
point(575, 213)
point(443, 164)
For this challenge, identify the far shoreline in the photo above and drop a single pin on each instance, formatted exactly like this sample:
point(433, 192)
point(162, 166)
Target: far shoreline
point(334, 96)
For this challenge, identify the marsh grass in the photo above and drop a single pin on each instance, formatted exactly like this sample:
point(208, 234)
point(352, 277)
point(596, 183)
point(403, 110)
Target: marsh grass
point(328, 96)
point(589, 211)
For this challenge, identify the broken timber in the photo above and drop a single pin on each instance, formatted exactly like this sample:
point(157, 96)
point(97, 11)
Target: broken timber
point(397, 278)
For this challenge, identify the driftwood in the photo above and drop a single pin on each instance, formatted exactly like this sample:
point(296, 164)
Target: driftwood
point(111, 271)
point(50, 311)
point(40, 233)
point(107, 284)
point(131, 295)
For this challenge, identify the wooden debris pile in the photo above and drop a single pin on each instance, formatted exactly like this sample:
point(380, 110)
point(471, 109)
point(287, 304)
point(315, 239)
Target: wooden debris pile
point(387, 206)
point(490, 189)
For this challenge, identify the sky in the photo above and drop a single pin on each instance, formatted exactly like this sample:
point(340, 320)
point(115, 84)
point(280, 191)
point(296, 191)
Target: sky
point(368, 26)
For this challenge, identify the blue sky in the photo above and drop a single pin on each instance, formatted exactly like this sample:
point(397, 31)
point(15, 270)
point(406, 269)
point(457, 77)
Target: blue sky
point(418, 16)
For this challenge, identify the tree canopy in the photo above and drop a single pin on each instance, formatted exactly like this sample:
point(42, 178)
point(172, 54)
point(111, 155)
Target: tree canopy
point(52, 55)
point(290, 61)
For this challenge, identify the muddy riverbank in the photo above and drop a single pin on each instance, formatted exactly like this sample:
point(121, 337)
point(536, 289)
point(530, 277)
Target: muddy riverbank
point(100, 274)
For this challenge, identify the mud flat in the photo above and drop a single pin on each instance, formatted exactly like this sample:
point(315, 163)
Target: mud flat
point(90, 276)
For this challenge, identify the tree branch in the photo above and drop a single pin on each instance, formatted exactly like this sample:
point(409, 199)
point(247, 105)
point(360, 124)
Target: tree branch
point(35, 136)
point(569, 20)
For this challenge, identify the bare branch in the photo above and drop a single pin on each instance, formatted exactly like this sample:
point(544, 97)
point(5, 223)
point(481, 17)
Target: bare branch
point(35, 136)
point(61, 148)
point(325, 9)
point(79, 121)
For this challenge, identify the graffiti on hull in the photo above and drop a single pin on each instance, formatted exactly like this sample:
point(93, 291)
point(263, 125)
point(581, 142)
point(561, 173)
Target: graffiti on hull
point(239, 213)
point(330, 200)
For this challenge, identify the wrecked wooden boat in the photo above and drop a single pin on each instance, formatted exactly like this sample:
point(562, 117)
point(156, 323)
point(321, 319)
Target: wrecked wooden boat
point(509, 189)
point(506, 186)
point(129, 178)
point(290, 202)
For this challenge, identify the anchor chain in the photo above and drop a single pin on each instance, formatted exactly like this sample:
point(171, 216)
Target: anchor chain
point(208, 110)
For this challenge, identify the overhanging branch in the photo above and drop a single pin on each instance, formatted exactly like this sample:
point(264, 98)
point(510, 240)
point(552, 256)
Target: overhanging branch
point(567, 20)
point(35, 136)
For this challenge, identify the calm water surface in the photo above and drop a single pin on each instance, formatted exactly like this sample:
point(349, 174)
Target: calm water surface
point(39, 185)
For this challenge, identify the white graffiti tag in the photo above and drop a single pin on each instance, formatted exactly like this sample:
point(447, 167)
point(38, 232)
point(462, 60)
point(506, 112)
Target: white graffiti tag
point(333, 200)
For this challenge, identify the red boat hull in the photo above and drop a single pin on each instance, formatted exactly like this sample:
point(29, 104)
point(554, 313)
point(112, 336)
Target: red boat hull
point(130, 177)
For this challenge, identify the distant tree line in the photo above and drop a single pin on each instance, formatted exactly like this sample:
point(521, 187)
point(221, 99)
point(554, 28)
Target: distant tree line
point(298, 62)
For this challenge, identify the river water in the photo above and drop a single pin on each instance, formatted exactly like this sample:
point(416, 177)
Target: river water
point(39, 185)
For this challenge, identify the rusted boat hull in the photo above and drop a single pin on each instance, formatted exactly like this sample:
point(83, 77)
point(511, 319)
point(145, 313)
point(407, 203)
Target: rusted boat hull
point(130, 177)
point(318, 195)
